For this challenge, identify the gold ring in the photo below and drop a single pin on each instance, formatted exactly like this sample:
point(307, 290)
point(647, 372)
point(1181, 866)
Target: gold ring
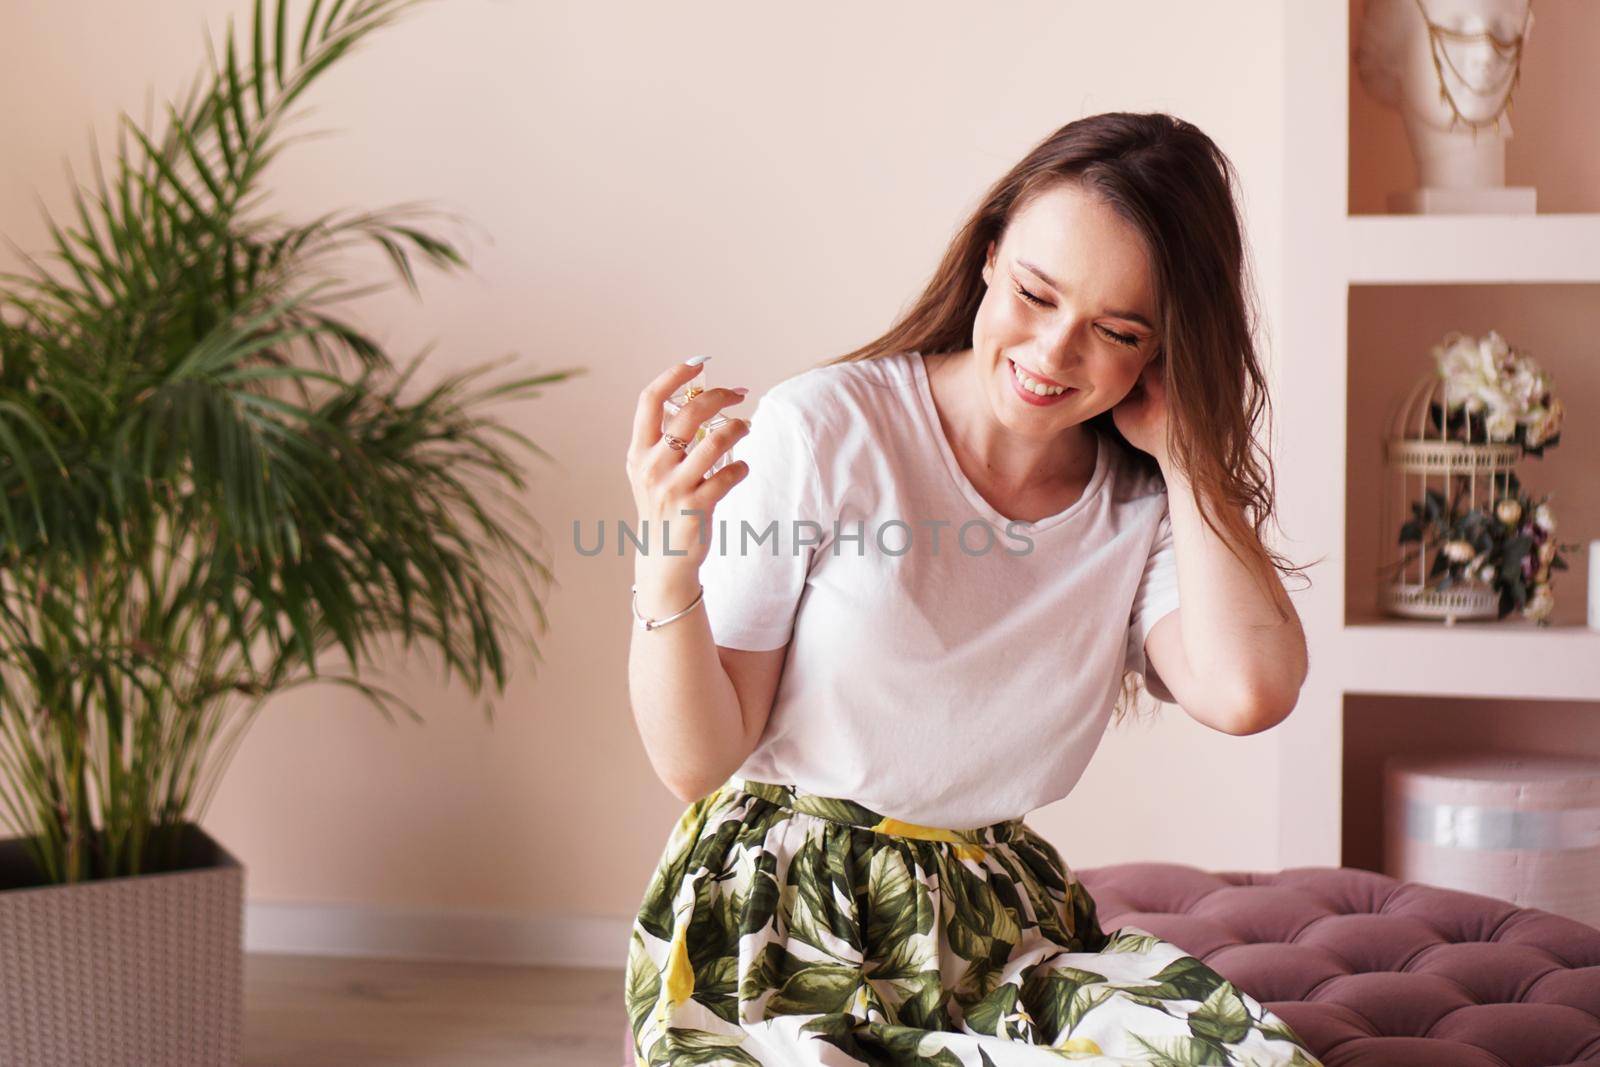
point(676, 442)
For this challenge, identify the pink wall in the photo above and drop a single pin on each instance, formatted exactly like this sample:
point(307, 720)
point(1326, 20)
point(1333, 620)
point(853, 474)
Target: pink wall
point(646, 182)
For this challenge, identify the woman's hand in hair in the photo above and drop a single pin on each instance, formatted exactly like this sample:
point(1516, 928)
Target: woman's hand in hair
point(1141, 416)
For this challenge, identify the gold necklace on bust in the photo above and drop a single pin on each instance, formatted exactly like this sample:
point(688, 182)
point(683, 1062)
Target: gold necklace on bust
point(1508, 49)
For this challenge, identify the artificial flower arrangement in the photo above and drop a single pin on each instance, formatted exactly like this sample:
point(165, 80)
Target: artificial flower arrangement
point(1494, 393)
point(1508, 545)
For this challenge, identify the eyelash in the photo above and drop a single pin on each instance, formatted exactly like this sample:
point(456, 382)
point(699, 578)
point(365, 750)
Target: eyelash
point(1121, 339)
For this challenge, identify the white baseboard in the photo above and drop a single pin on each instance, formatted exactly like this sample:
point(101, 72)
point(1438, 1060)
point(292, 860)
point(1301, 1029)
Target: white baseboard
point(463, 936)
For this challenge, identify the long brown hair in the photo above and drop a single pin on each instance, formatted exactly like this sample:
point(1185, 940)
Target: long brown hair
point(1176, 187)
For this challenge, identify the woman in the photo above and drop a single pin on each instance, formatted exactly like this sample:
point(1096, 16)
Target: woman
point(938, 564)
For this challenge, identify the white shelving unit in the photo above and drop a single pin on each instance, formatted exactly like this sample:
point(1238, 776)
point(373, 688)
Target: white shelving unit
point(1497, 248)
point(1354, 651)
point(1510, 659)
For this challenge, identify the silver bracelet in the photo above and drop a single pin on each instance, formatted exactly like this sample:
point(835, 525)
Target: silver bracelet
point(651, 624)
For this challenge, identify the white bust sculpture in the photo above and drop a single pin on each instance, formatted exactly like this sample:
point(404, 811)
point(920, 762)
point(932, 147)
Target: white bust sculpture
point(1449, 67)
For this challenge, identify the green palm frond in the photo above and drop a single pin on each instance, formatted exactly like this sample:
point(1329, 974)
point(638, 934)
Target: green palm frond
point(210, 479)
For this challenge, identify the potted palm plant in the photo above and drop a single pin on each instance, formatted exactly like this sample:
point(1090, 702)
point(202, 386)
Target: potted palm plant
point(211, 484)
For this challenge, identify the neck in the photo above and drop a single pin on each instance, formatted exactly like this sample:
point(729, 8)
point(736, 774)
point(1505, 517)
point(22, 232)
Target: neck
point(1009, 460)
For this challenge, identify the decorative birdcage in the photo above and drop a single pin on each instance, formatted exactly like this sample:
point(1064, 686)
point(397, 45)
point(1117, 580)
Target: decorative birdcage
point(1428, 470)
point(1450, 450)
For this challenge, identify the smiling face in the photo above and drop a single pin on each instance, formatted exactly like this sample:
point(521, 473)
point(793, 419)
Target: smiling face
point(1070, 303)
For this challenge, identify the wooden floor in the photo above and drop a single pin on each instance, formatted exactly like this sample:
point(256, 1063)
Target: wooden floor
point(314, 1011)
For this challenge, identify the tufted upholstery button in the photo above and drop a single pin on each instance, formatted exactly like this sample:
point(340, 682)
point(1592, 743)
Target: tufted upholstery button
point(1371, 971)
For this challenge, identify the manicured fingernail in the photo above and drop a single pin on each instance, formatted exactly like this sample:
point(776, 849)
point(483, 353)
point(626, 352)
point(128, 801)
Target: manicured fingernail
point(742, 390)
point(696, 361)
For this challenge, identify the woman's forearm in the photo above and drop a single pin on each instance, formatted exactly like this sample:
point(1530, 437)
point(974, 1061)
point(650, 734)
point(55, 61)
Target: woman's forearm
point(683, 700)
point(1243, 629)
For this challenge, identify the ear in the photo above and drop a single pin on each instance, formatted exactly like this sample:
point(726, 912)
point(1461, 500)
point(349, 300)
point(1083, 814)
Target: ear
point(988, 264)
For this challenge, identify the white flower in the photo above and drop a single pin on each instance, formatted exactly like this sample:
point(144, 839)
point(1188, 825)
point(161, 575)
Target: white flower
point(1524, 385)
point(1495, 350)
point(1535, 433)
point(1483, 571)
point(1501, 424)
point(1488, 390)
point(1458, 364)
point(1488, 375)
point(1544, 518)
point(1456, 354)
point(1508, 511)
point(1540, 603)
point(1488, 366)
point(1458, 551)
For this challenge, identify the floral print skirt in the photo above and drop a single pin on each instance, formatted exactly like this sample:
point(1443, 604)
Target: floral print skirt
point(783, 927)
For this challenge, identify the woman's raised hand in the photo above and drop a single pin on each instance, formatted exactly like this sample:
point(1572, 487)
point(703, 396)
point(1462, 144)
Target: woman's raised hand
point(670, 487)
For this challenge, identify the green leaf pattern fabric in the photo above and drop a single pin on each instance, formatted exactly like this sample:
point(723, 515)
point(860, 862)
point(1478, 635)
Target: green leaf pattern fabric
point(781, 927)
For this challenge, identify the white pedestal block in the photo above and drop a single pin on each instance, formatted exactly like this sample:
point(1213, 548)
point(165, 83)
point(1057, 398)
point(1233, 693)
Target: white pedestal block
point(1504, 200)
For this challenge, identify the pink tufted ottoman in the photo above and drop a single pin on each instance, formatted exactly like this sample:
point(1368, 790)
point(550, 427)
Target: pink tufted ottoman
point(1371, 971)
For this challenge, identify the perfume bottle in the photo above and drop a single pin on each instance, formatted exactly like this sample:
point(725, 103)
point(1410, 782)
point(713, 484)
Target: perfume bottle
point(674, 404)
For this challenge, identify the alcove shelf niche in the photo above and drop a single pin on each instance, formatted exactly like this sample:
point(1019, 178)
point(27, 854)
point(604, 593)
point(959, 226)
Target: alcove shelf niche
point(1378, 726)
point(1554, 144)
point(1391, 331)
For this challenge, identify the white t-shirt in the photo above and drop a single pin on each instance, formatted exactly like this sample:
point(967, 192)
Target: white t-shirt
point(947, 666)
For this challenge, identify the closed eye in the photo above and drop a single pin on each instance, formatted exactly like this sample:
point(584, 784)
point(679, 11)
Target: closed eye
point(1120, 338)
